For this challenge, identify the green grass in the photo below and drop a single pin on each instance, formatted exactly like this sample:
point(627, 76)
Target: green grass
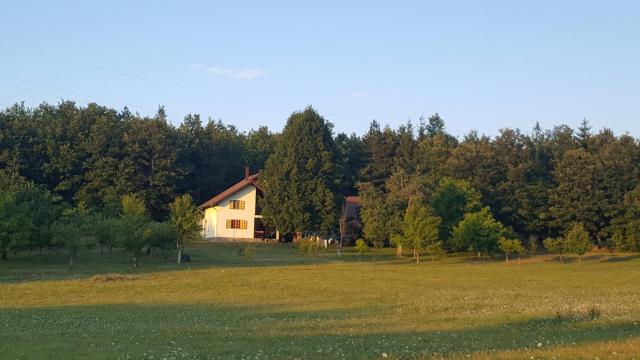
point(223, 305)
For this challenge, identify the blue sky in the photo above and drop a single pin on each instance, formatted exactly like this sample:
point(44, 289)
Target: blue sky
point(481, 65)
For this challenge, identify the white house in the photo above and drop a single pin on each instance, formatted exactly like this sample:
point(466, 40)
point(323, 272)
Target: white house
point(234, 214)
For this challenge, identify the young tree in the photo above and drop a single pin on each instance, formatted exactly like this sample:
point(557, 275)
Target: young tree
point(577, 240)
point(479, 232)
point(450, 201)
point(616, 242)
point(555, 246)
point(435, 250)
point(361, 248)
point(399, 242)
point(420, 228)
point(134, 220)
point(108, 232)
point(75, 231)
point(299, 180)
point(510, 246)
point(185, 219)
point(162, 236)
point(309, 246)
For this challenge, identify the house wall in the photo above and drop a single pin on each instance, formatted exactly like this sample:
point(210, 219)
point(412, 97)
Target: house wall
point(215, 218)
point(210, 221)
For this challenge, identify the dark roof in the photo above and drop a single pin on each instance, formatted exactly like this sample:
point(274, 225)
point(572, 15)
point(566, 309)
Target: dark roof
point(352, 206)
point(249, 180)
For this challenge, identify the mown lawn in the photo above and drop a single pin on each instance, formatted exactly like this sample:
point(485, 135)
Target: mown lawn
point(274, 306)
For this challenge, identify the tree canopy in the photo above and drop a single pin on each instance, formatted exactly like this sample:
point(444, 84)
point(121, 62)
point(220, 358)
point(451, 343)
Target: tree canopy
point(299, 179)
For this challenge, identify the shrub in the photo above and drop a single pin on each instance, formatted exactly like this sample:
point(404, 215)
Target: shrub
point(361, 247)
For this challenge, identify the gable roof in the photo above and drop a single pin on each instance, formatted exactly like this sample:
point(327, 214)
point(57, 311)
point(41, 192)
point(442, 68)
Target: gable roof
point(249, 180)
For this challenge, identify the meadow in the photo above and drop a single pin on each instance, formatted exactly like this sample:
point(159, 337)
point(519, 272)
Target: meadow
point(278, 306)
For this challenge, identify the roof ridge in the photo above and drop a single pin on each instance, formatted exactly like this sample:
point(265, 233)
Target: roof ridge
point(250, 180)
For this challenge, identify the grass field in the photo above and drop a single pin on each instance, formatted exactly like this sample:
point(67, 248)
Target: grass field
point(222, 305)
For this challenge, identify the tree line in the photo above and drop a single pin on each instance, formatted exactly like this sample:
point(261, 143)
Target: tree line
point(35, 219)
point(420, 187)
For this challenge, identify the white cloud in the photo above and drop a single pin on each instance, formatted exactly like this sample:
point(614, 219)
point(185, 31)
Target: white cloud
point(245, 74)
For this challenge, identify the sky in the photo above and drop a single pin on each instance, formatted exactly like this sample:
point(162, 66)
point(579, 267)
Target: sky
point(482, 65)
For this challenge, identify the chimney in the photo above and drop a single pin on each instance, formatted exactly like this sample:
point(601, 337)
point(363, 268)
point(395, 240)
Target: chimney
point(246, 172)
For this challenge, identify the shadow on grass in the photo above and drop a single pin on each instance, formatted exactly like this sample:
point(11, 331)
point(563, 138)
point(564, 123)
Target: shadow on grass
point(262, 331)
point(54, 265)
point(619, 258)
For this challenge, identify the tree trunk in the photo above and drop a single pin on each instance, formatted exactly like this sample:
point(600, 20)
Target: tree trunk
point(110, 249)
point(135, 261)
point(518, 260)
point(101, 248)
point(561, 259)
point(479, 256)
point(417, 257)
point(317, 260)
point(40, 252)
point(71, 256)
point(179, 256)
point(506, 256)
point(399, 251)
point(30, 251)
point(579, 259)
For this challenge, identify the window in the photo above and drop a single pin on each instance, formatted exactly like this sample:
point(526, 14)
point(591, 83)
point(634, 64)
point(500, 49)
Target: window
point(236, 204)
point(236, 224)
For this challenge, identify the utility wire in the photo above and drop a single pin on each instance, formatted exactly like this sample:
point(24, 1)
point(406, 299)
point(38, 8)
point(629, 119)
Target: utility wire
point(31, 90)
point(63, 90)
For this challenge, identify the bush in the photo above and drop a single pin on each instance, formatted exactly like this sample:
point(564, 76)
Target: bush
point(478, 232)
point(361, 247)
point(246, 251)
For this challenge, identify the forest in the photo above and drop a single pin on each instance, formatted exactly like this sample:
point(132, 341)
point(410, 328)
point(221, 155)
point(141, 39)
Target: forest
point(420, 187)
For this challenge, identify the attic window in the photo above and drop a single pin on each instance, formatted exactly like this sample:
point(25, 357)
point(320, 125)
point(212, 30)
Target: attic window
point(236, 204)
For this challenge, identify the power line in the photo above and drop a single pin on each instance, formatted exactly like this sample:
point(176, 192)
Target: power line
point(31, 90)
point(150, 81)
point(61, 89)
point(88, 96)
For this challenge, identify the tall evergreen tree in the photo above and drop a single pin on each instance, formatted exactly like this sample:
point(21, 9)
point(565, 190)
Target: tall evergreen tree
point(299, 180)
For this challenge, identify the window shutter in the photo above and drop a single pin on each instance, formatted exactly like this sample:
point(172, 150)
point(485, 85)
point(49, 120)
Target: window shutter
point(228, 224)
point(241, 204)
point(243, 224)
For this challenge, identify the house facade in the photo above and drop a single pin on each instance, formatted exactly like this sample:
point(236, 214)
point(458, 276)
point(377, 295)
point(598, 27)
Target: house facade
point(234, 214)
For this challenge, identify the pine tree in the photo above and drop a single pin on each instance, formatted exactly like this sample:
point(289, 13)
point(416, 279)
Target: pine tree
point(299, 180)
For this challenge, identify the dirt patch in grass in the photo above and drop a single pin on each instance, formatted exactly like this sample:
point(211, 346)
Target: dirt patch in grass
point(112, 277)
